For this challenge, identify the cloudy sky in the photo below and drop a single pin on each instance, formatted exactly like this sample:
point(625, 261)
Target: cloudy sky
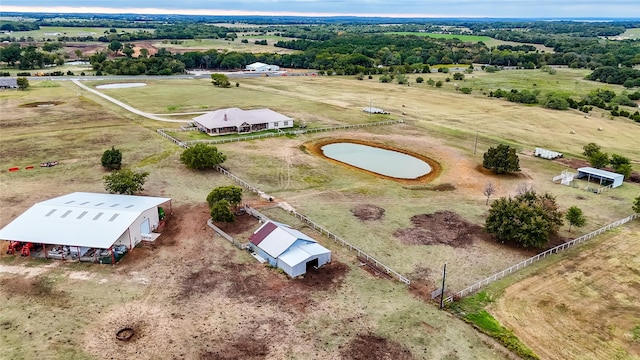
point(397, 8)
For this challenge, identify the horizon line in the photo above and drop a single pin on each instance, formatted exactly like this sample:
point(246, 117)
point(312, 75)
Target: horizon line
point(219, 12)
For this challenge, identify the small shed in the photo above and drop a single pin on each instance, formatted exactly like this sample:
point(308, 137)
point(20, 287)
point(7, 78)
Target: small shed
point(605, 178)
point(288, 249)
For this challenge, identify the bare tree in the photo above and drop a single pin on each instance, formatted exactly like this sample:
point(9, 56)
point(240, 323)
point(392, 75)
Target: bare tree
point(524, 188)
point(489, 189)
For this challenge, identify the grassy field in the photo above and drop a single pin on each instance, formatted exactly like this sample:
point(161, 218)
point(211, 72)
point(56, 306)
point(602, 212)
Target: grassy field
point(439, 123)
point(41, 34)
point(222, 44)
point(582, 306)
point(465, 38)
point(632, 34)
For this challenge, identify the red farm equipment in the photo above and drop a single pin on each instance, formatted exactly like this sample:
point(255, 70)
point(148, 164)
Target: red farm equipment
point(26, 249)
point(13, 247)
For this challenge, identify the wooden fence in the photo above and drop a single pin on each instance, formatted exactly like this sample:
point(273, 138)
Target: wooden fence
point(499, 275)
point(220, 232)
point(186, 144)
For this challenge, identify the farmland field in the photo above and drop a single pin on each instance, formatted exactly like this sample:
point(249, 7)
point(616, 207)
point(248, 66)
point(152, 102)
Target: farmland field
point(490, 42)
point(196, 289)
point(220, 44)
point(584, 306)
point(46, 32)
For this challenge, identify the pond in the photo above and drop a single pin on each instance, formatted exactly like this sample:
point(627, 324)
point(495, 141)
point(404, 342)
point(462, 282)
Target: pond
point(380, 161)
point(120, 85)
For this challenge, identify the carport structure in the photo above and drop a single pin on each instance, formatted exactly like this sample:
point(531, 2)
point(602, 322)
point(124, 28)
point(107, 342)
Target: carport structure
point(604, 178)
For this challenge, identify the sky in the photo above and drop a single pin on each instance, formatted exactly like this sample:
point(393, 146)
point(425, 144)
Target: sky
point(384, 8)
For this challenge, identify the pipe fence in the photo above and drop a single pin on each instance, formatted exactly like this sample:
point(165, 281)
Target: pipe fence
point(220, 232)
point(499, 275)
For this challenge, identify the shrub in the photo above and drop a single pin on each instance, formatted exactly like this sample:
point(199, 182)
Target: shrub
point(112, 159)
point(501, 159)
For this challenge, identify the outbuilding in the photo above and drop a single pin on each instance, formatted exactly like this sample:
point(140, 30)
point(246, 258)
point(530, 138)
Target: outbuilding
point(236, 121)
point(78, 222)
point(261, 67)
point(604, 178)
point(288, 249)
point(8, 83)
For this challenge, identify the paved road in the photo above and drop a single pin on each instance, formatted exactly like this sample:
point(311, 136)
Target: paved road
point(127, 107)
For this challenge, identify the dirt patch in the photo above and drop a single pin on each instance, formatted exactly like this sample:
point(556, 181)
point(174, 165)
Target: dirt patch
point(242, 224)
point(367, 212)
point(510, 175)
point(255, 284)
point(371, 346)
point(41, 104)
point(421, 285)
point(442, 227)
point(315, 147)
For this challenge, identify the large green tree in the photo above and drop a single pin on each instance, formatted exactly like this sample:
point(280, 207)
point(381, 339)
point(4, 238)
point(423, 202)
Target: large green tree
point(527, 220)
point(575, 217)
point(621, 165)
point(232, 194)
point(599, 159)
point(125, 181)
point(501, 159)
point(112, 159)
point(590, 149)
point(202, 156)
point(115, 46)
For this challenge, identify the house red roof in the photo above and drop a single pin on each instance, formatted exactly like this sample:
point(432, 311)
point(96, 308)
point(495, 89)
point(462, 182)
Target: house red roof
point(261, 234)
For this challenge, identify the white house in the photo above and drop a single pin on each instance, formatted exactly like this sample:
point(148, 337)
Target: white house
point(288, 249)
point(234, 120)
point(261, 67)
point(81, 221)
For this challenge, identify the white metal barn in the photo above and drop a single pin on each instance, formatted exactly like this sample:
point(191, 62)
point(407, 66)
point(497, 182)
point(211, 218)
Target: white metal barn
point(82, 221)
point(288, 249)
point(261, 67)
point(605, 178)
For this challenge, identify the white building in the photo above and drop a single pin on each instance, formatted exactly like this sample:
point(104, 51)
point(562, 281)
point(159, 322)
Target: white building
point(82, 221)
point(234, 120)
point(261, 67)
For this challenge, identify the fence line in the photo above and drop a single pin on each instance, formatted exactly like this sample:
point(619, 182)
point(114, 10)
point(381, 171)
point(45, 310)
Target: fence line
point(186, 144)
point(225, 235)
point(499, 275)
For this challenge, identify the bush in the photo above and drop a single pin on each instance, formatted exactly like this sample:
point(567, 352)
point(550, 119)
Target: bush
point(112, 159)
point(501, 159)
point(202, 156)
point(458, 76)
point(419, 79)
point(439, 83)
point(385, 78)
point(466, 90)
point(23, 74)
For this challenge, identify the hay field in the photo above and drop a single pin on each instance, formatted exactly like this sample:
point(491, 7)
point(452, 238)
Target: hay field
point(584, 306)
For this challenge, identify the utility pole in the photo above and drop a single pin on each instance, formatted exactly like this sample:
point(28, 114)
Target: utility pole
point(475, 146)
point(370, 109)
point(444, 276)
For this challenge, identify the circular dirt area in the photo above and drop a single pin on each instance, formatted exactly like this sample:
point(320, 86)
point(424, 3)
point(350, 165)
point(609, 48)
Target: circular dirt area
point(366, 212)
point(125, 334)
point(442, 227)
point(120, 86)
point(41, 104)
point(315, 147)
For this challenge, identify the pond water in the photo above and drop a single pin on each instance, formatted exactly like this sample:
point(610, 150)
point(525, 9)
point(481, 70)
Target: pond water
point(120, 86)
point(380, 161)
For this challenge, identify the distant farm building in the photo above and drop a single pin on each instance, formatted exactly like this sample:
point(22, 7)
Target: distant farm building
point(261, 67)
point(87, 226)
point(234, 120)
point(287, 249)
point(8, 83)
point(604, 178)
point(373, 110)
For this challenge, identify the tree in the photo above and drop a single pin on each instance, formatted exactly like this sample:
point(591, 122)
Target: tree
point(202, 156)
point(220, 212)
point(599, 160)
point(575, 217)
point(489, 189)
point(431, 82)
point(125, 181)
point(78, 53)
point(128, 50)
point(458, 76)
point(621, 165)
point(636, 205)
point(115, 46)
point(439, 83)
point(23, 83)
point(528, 219)
point(144, 53)
point(419, 79)
point(402, 79)
point(112, 159)
point(220, 80)
point(590, 149)
point(232, 194)
point(501, 159)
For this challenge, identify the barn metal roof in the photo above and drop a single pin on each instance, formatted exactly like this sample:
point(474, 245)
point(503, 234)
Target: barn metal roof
point(302, 253)
point(237, 117)
point(276, 238)
point(602, 173)
point(79, 219)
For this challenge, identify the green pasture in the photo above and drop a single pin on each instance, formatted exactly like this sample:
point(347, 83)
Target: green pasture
point(633, 33)
point(465, 38)
point(41, 34)
point(220, 44)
